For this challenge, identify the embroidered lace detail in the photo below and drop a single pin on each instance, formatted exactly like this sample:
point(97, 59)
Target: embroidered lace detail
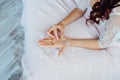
point(112, 27)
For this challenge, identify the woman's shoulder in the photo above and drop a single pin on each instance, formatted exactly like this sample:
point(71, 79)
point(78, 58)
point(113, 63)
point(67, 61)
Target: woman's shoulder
point(112, 25)
point(114, 20)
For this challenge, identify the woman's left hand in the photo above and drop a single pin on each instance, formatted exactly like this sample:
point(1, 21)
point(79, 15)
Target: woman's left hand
point(62, 43)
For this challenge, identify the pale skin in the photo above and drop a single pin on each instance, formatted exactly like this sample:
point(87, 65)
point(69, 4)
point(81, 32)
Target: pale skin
point(57, 39)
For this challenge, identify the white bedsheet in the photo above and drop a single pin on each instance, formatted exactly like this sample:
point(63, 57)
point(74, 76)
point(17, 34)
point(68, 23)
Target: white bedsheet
point(40, 63)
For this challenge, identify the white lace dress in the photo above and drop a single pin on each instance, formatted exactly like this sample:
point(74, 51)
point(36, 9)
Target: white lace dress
point(41, 63)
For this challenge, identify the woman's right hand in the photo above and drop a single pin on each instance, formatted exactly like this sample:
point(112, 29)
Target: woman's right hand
point(57, 31)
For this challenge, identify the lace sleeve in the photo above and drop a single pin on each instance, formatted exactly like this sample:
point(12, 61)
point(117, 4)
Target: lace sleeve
point(112, 32)
point(82, 4)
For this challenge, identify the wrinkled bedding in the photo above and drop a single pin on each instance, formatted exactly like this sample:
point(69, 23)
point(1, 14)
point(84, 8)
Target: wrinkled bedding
point(41, 63)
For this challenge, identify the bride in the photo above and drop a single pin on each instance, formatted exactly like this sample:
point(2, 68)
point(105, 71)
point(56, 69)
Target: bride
point(101, 10)
point(88, 50)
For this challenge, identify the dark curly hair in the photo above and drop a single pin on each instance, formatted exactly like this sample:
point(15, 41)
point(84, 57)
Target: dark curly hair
point(101, 10)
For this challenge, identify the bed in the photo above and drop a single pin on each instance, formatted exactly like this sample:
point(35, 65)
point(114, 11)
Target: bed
point(40, 63)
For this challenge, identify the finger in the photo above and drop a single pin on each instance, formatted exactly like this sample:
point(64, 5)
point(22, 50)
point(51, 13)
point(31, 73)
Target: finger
point(45, 42)
point(61, 32)
point(46, 45)
point(46, 39)
point(56, 35)
point(61, 51)
point(49, 32)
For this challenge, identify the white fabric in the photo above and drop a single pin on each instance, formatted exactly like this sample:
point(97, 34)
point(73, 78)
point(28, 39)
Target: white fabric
point(82, 4)
point(112, 31)
point(41, 63)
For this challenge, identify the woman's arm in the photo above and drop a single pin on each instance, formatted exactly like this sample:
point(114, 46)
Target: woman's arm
point(74, 15)
point(85, 43)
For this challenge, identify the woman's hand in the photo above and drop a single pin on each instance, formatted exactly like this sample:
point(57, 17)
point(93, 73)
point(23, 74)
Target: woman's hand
point(62, 43)
point(57, 31)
